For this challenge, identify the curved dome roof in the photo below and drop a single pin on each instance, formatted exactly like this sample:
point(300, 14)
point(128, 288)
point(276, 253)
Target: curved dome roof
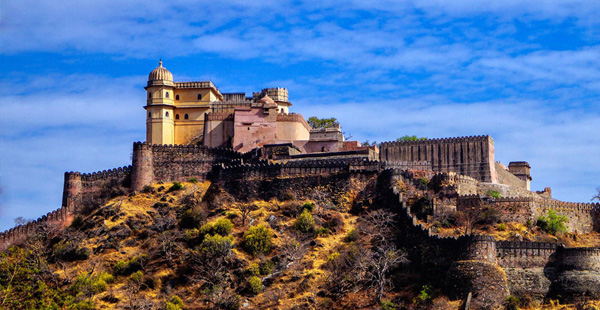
point(266, 100)
point(160, 73)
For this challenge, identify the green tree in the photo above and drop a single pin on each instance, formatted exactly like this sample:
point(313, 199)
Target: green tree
point(320, 123)
point(553, 223)
point(410, 138)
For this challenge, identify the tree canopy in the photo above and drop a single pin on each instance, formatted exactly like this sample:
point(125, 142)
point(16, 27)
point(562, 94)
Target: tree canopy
point(410, 138)
point(319, 123)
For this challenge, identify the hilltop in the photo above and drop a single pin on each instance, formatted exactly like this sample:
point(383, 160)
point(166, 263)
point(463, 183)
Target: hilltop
point(348, 240)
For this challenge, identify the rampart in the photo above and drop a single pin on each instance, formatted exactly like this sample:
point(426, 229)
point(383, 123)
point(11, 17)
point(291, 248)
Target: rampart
point(57, 218)
point(81, 190)
point(582, 217)
point(168, 163)
point(472, 156)
point(265, 169)
point(292, 117)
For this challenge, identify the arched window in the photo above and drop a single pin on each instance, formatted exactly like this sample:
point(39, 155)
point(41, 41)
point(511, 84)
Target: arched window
point(186, 116)
point(167, 94)
point(176, 97)
point(167, 114)
point(149, 114)
point(199, 96)
point(176, 116)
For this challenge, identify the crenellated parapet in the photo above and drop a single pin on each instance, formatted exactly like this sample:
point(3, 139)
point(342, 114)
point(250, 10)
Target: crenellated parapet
point(219, 116)
point(302, 167)
point(168, 163)
point(292, 117)
point(471, 156)
point(55, 219)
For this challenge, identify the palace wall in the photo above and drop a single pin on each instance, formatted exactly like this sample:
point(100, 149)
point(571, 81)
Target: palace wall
point(471, 156)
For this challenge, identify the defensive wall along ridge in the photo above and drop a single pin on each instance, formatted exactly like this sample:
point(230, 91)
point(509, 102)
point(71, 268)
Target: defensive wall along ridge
point(79, 188)
point(472, 156)
point(582, 217)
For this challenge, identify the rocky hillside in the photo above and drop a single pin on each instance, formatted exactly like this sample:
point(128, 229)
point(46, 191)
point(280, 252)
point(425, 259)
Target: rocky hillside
point(261, 245)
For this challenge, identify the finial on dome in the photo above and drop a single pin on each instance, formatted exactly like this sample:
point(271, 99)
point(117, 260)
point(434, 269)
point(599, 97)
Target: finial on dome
point(160, 62)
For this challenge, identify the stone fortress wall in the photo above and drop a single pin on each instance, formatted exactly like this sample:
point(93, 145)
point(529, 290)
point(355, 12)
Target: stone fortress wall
point(531, 267)
point(583, 217)
point(472, 156)
point(80, 190)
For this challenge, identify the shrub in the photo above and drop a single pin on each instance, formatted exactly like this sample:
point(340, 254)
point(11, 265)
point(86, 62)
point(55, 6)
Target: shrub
point(223, 227)
point(127, 267)
point(216, 246)
point(388, 305)
point(266, 267)
point(512, 303)
point(175, 187)
point(553, 223)
point(90, 285)
point(191, 218)
point(77, 222)
point(193, 180)
point(255, 285)
point(489, 216)
point(501, 227)
point(84, 305)
point(289, 195)
point(422, 207)
point(423, 181)
point(322, 231)
point(305, 222)
point(148, 189)
point(351, 236)
point(424, 295)
point(254, 269)
point(309, 206)
point(494, 194)
point(174, 303)
point(68, 251)
point(257, 240)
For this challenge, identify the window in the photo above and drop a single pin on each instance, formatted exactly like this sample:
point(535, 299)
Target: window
point(199, 96)
point(167, 94)
point(167, 114)
point(149, 95)
point(186, 116)
point(176, 116)
point(176, 97)
point(149, 114)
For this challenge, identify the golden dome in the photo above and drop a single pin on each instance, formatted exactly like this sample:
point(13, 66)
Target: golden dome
point(160, 73)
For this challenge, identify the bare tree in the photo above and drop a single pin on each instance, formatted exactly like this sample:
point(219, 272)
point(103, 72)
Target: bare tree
point(381, 261)
point(378, 225)
point(245, 209)
point(21, 220)
point(597, 196)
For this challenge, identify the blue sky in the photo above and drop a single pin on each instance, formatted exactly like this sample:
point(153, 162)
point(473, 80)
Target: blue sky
point(525, 72)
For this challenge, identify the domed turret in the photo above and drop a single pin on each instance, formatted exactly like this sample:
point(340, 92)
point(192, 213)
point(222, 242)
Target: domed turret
point(160, 73)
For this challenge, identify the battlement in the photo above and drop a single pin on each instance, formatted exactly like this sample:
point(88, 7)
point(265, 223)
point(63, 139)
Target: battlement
point(276, 93)
point(219, 116)
point(105, 174)
point(292, 117)
point(471, 156)
point(440, 140)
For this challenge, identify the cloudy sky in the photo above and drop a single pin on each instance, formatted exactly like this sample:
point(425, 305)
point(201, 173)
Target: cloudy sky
point(525, 72)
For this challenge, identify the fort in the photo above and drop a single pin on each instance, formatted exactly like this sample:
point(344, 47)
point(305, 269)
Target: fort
point(195, 131)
